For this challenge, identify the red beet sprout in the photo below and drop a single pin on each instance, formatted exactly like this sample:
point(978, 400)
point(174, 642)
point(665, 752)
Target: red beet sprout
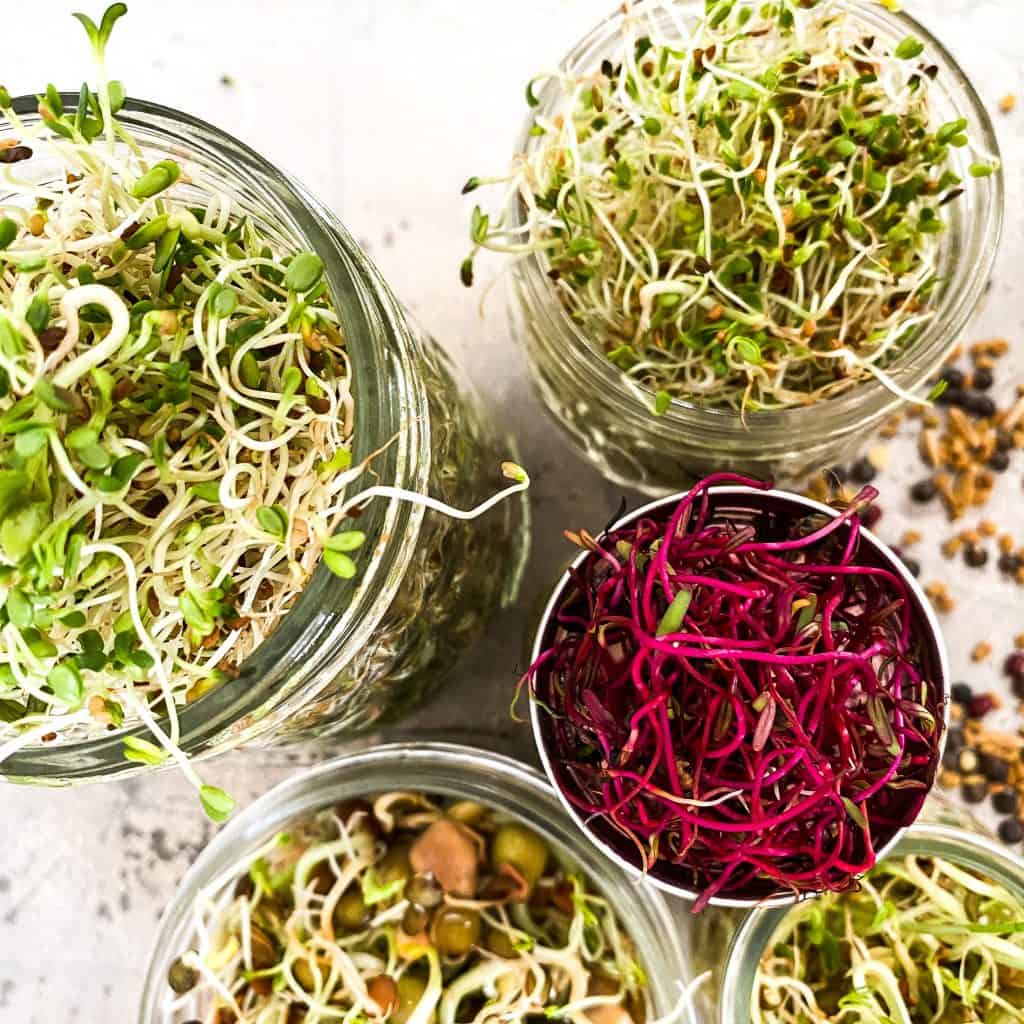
point(740, 694)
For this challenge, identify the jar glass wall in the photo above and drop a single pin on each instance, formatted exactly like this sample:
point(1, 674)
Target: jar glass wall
point(349, 653)
point(457, 772)
point(613, 425)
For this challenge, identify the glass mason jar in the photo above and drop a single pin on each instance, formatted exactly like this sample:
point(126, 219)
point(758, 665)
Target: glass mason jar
point(612, 424)
point(448, 770)
point(349, 654)
point(735, 972)
point(749, 505)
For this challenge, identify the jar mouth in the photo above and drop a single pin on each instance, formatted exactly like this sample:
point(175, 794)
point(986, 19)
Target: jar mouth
point(391, 419)
point(448, 769)
point(936, 656)
point(922, 839)
point(967, 255)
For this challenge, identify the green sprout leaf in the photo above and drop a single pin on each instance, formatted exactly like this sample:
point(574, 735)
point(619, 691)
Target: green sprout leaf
point(908, 49)
point(65, 681)
point(158, 178)
point(273, 519)
point(143, 751)
point(349, 540)
point(672, 620)
point(340, 564)
point(100, 35)
point(217, 804)
point(304, 271)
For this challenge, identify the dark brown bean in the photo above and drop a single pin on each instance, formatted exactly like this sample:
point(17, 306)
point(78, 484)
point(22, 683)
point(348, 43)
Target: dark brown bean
point(15, 154)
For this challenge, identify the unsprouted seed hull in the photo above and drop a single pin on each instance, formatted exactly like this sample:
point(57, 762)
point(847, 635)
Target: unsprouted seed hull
point(410, 908)
point(923, 940)
point(746, 210)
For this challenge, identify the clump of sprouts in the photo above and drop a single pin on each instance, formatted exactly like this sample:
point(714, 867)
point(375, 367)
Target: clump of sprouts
point(743, 210)
point(923, 940)
point(405, 908)
point(176, 425)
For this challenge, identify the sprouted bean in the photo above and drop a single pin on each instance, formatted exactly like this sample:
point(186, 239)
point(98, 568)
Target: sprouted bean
point(176, 424)
point(923, 941)
point(743, 210)
point(407, 908)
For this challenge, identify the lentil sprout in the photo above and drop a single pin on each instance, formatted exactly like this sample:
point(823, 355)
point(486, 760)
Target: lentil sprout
point(504, 928)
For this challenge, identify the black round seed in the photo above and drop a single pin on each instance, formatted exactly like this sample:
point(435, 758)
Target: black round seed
point(1009, 562)
point(979, 405)
point(974, 789)
point(1005, 801)
point(1004, 440)
point(952, 396)
point(863, 471)
point(912, 564)
point(982, 378)
point(975, 555)
point(995, 769)
point(924, 490)
point(953, 377)
point(1000, 461)
point(961, 693)
point(1011, 830)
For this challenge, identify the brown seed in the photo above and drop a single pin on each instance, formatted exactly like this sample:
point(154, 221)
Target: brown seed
point(1008, 103)
point(51, 337)
point(910, 538)
point(36, 224)
point(123, 388)
point(14, 154)
point(981, 650)
point(384, 992)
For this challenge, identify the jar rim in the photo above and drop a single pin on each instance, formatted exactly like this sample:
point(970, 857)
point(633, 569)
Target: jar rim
point(394, 422)
point(755, 930)
point(923, 608)
point(450, 769)
point(866, 399)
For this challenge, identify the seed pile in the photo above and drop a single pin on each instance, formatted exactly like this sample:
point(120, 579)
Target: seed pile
point(982, 763)
point(968, 440)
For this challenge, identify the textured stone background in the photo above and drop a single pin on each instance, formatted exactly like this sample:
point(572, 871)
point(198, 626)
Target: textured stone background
point(385, 107)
